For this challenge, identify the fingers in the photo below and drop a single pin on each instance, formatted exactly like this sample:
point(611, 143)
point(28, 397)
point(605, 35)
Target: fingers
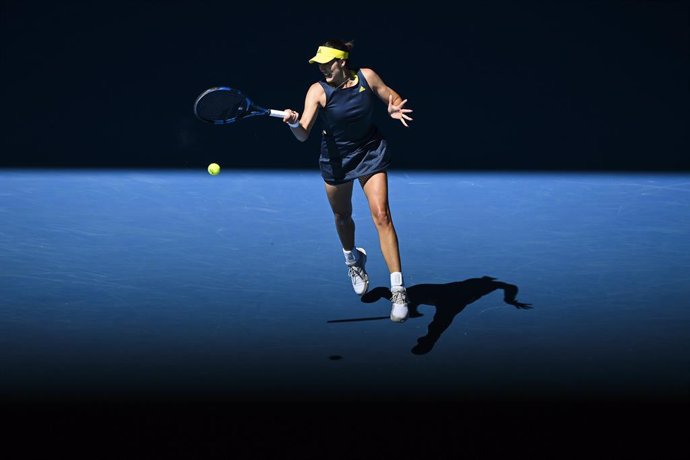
point(398, 108)
point(290, 116)
point(397, 111)
point(402, 117)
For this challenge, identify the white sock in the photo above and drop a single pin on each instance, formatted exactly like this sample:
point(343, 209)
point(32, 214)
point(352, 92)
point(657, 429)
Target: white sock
point(351, 257)
point(396, 281)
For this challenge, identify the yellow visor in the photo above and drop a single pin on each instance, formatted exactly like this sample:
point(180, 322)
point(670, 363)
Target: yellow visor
point(325, 54)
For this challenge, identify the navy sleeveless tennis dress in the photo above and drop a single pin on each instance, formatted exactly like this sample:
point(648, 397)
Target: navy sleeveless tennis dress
point(351, 146)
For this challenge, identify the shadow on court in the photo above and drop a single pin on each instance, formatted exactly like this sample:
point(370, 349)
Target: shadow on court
point(449, 299)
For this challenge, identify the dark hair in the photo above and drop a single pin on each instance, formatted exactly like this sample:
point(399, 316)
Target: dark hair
point(339, 44)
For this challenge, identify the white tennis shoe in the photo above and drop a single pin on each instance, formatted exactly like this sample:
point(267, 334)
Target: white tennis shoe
point(358, 275)
point(399, 304)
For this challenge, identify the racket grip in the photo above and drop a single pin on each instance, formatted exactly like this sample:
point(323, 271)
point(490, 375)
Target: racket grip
point(277, 113)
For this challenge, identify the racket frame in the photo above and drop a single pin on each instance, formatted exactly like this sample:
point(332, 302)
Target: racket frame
point(254, 110)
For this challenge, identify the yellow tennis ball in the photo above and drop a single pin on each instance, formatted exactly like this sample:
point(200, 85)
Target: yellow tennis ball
point(213, 169)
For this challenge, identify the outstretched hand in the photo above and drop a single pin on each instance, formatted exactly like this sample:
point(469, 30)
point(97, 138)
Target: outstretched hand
point(397, 112)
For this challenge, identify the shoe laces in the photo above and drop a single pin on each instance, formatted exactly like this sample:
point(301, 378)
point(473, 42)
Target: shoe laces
point(355, 271)
point(399, 297)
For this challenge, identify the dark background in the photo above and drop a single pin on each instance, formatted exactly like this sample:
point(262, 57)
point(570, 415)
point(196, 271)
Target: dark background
point(529, 85)
point(495, 85)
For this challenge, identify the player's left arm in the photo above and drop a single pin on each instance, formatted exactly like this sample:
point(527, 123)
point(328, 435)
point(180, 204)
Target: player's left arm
point(389, 96)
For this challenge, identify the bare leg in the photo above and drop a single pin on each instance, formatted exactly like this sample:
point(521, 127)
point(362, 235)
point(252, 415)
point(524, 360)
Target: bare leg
point(376, 190)
point(340, 199)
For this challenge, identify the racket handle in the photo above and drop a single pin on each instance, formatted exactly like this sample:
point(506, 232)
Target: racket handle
point(278, 113)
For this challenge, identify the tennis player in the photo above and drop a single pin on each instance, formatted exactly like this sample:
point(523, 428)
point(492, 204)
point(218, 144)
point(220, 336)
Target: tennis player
point(353, 148)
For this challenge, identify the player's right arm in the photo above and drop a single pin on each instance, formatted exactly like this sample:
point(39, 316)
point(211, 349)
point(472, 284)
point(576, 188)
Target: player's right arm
point(315, 98)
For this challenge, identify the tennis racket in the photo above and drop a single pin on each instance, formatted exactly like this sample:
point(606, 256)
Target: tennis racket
point(222, 105)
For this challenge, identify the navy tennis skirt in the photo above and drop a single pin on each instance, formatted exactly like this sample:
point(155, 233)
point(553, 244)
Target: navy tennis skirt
point(370, 158)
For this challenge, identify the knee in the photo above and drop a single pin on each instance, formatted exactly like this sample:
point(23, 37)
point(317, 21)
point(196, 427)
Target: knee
point(342, 218)
point(381, 217)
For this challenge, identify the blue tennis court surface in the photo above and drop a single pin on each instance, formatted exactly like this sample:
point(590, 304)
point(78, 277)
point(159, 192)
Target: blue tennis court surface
point(144, 285)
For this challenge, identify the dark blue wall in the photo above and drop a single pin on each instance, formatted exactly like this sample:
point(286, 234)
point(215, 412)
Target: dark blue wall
point(494, 84)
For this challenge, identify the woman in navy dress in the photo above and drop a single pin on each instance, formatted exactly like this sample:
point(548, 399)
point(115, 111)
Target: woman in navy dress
point(353, 148)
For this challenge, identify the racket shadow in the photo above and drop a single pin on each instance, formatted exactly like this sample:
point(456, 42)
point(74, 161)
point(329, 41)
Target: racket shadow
point(449, 299)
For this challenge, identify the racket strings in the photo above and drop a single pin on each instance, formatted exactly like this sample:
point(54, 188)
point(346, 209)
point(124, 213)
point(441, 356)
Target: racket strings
point(222, 105)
